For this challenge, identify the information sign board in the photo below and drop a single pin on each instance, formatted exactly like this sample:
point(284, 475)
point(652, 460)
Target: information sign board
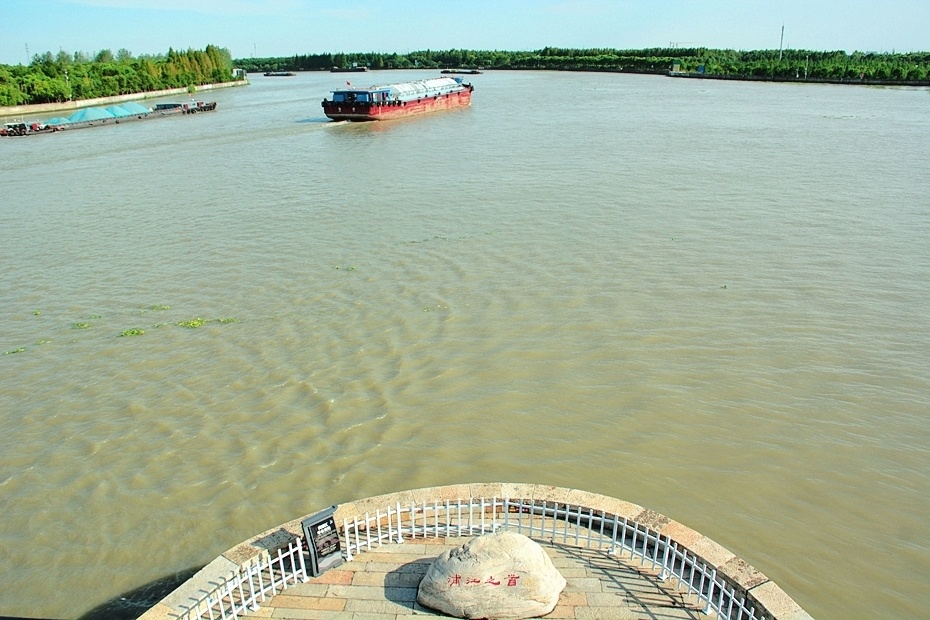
point(323, 540)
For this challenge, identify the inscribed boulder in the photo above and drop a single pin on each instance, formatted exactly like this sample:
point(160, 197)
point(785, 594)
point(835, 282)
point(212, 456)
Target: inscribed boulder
point(498, 576)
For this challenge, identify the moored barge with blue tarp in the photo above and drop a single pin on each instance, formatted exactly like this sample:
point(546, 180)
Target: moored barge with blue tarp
point(377, 103)
point(94, 116)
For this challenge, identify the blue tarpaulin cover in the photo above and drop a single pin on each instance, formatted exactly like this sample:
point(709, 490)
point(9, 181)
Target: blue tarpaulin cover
point(135, 108)
point(90, 114)
point(118, 111)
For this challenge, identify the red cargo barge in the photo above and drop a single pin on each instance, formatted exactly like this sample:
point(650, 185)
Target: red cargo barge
point(378, 103)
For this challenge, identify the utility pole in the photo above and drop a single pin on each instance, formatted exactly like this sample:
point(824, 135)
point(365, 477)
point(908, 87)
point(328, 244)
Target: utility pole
point(782, 42)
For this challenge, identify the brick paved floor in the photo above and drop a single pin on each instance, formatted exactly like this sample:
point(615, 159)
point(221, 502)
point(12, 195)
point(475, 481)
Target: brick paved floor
point(382, 585)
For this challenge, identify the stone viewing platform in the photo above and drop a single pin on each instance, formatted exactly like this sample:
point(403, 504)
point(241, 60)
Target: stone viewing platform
point(382, 585)
point(365, 560)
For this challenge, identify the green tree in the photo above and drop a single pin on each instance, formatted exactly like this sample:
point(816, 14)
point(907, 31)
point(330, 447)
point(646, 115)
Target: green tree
point(104, 56)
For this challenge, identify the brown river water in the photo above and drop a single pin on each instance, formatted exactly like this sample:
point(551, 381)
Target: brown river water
point(708, 298)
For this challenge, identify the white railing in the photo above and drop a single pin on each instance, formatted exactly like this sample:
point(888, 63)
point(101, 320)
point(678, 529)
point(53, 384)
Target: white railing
point(244, 591)
point(559, 523)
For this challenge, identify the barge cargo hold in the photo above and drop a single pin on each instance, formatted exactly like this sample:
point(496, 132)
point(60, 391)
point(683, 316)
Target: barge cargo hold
point(377, 103)
point(184, 108)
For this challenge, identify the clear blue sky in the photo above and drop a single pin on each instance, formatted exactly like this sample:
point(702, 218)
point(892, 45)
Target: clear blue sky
point(287, 27)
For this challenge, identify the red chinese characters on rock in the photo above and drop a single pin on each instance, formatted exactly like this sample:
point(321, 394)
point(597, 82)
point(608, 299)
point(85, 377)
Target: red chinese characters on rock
point(457, 580)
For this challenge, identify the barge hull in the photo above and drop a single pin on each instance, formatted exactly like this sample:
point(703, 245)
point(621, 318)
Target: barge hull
point(363, 111)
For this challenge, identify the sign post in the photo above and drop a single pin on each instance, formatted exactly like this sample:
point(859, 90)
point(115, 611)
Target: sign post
point(323, 540)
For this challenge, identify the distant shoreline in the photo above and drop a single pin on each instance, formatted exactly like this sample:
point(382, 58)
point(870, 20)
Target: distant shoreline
point(683, 74)
point(800, 80)
point(775, 65)
point(744, 78)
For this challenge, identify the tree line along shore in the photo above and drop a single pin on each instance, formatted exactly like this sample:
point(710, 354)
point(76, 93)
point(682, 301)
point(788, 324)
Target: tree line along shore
point(76, 77)
point(61, 77)
point(909, 69)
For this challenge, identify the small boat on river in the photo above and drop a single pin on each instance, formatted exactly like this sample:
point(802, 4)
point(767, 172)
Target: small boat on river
point(377, 103)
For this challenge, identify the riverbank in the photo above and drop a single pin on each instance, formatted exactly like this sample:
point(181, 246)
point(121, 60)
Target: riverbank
point(801, 80)
point(683, 74)
point(907, 69)
point(45, 108)
point(735, 78)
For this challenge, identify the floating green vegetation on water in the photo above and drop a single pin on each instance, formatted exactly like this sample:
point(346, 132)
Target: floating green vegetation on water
point(193, 323)
point(41, 342)
point(160, 308)
point(348, 268)
point(37, 312)
point(95, 316)
point(227, 320)
point(157, 325)
point(81, 326)
point(132, 332)
point(444, 238)
point(12, 351)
